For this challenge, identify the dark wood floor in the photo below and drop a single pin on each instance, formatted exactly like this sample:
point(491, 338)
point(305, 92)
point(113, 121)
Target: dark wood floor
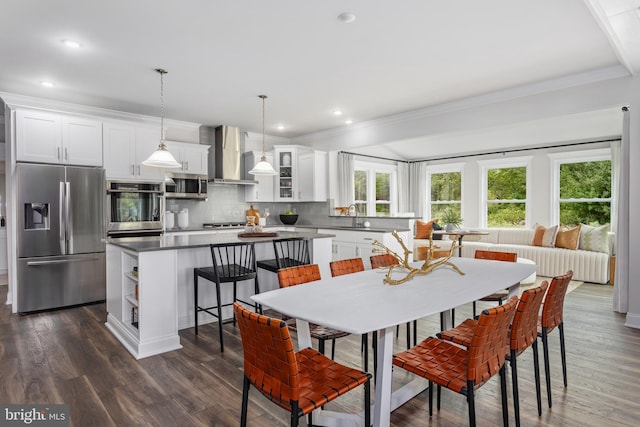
point(68, 356)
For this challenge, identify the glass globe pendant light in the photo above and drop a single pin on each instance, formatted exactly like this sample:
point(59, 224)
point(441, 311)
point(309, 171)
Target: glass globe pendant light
point(263, 167)
point(161, 158)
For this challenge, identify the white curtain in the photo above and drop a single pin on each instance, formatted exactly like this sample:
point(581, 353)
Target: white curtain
point(346, 195)
point(418, 188)
point(403, 187)
point(620, 214)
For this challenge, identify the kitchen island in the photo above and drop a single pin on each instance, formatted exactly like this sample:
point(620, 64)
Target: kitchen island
point(150, 284)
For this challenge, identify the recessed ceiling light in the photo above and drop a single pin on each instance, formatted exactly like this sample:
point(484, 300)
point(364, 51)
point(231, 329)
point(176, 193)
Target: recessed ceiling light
point(280, 127)
point(46, 83)
point(72, 44)
point(348, 121)
point(337, 112)
point(346, 18)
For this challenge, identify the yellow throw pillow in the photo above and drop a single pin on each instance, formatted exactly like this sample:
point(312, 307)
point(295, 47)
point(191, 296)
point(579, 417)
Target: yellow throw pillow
point(544, 236)
point(423, 229)
point(568, 238)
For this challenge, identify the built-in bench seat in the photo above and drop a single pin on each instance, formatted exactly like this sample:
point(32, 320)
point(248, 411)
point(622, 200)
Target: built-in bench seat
point(587, 266)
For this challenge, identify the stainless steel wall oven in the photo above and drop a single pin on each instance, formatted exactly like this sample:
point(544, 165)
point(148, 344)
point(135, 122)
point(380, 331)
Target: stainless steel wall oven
point(134, 208)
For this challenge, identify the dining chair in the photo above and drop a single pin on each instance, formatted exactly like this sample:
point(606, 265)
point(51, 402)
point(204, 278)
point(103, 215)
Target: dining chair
point(299, 382)
point(387, 260)
point(551, 318)
point(463, 370)
point(348, 266)
point(289, 252)
point(232, 263)
point(523, 334)
point(496, 256)
point(293, 276)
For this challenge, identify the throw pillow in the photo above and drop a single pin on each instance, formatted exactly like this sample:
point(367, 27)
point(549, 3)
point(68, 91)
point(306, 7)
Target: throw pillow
point(544, 236)
point(423, 229)
point(436, 227)
point(594, 238)
point(568, 238)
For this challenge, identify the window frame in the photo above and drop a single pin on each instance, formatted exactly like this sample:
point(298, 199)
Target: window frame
point(444, 168)
point(372, 168)
point(511, 162)
point(583, 156)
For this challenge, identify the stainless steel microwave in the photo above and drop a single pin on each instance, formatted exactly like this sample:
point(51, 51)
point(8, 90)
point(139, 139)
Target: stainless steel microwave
point(185, 186)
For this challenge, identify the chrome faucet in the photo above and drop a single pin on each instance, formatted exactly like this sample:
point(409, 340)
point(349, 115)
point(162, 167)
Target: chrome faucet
point(355, 222)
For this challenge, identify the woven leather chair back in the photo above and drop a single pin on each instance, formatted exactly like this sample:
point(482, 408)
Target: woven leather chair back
point(553, 305)
point(346, 266)
point(382, 260)
point(297, 275)
point(234, 261)
point(487, 347)
point(291, 252)
point(269, 357)
point(497, 256)
point(524, 327)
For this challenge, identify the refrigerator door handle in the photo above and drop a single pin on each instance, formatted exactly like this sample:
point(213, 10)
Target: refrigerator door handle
point(62, 209)
point(60, 261)
point(67, 217)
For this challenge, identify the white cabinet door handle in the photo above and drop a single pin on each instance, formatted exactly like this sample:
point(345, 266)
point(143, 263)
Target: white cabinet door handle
point(66, 154)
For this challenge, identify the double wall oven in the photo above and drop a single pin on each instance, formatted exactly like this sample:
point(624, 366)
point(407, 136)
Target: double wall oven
point(134, 208)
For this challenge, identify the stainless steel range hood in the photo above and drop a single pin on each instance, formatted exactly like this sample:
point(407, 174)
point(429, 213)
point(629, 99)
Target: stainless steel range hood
point(225, 165)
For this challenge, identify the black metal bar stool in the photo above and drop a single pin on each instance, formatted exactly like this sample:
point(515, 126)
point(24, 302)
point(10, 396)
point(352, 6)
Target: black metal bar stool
point(290, 252)
point(232, 262)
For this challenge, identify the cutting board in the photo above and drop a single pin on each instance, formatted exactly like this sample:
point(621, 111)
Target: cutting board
point(260, 234)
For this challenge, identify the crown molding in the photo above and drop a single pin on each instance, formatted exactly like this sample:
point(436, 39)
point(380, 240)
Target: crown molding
point(22, 101)
point(565, 82)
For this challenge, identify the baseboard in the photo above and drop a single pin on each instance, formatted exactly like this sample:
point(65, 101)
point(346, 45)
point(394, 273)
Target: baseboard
point(633, 320)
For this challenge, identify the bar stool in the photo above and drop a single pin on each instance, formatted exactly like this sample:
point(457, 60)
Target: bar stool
point(232, 262)
point(290, 252)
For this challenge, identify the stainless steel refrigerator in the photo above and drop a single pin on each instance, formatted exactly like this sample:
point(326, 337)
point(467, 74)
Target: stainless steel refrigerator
point(60, 231)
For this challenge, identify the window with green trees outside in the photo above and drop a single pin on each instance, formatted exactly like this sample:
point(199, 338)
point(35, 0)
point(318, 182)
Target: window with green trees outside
point(446, 193)
point(506, 197)
point(585, 193)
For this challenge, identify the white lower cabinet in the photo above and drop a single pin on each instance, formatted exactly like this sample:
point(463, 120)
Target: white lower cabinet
point(359, 244)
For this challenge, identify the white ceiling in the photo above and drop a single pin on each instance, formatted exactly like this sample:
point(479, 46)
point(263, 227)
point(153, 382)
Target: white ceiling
point(395, 57)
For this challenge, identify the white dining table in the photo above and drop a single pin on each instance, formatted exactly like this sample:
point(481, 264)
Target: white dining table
point(360, 303)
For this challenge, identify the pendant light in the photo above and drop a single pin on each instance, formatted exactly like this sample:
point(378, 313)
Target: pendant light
point(161, 158)
point(263, 167)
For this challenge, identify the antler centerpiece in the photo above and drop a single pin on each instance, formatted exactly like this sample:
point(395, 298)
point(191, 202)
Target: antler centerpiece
point(429, 265)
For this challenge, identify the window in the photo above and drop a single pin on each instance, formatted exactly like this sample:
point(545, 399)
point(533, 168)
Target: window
point(583, 188)
point(445, 190)
point(375, 188)
point(505, 192)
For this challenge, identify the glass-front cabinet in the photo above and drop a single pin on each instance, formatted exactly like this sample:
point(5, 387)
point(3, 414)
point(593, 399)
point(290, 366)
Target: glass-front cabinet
point(286, 180)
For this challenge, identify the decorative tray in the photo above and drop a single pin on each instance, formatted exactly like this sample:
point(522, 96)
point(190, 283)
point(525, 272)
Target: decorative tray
point(260, 234)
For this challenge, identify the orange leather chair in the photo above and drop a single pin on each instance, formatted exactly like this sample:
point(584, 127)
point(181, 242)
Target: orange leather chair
point(463, 370)
point(523, 334)
point(304, 274)
point(551, 318)
point(299, 382)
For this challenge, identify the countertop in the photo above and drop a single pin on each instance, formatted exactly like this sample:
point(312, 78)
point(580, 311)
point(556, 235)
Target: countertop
point(171, 242)
point(346, 227)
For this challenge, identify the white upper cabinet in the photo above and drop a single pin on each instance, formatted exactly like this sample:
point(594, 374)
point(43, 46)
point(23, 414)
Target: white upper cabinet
point(312, 177)
point(193, 158)
point(302, 174)
point(53, 138)
point(263, 190)
point(125, 147)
